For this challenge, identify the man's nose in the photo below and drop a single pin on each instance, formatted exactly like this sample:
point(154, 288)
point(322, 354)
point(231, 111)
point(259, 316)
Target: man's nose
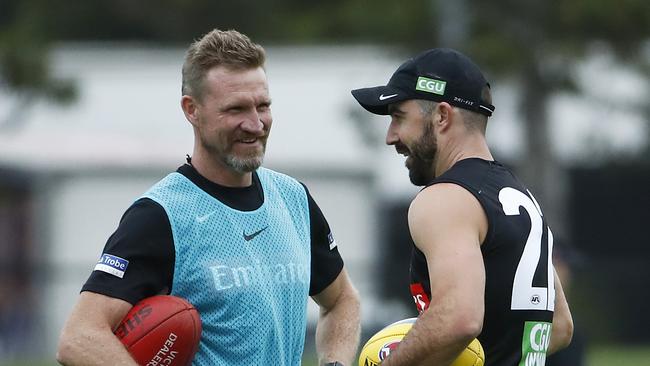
point(391, 135)
point(253, 123)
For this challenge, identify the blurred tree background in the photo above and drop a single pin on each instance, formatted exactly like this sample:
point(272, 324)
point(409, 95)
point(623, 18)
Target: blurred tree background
point(535, 44)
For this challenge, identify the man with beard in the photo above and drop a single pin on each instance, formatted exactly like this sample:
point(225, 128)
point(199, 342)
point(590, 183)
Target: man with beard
point(244, 244)
point(481, 266)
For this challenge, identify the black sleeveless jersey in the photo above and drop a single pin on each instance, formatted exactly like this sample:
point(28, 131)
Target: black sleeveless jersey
point(519, 288)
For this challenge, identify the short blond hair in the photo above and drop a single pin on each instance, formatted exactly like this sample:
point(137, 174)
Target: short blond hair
point(218, 48)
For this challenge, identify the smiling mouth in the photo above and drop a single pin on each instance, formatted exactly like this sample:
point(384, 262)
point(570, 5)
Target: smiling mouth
point(404, 152)
point(401, 149)
point(251, 140)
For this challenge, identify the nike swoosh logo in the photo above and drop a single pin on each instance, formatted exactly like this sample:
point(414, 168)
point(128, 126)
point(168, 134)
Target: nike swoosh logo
point(384, 97)
point(202, 218)
point(250, 237)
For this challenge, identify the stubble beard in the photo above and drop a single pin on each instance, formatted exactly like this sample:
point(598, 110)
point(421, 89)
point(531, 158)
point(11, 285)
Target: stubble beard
point(238, 163)
point(422, 155)
point(244, 164)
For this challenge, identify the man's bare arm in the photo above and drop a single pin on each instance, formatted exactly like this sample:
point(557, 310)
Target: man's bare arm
point(87, 337)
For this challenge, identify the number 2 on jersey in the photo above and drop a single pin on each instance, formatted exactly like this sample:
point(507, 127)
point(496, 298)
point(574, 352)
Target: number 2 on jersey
point(524, 295)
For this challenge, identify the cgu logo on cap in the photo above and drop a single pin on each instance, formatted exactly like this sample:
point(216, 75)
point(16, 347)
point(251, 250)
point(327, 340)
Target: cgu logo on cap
point(431, 85)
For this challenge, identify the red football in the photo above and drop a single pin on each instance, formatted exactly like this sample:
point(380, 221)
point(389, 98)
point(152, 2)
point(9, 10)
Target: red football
point(161, 330)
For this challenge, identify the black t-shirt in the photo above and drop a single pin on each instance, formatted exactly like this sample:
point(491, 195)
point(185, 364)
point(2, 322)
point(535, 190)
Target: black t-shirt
point(144, 239)
point(514, 223)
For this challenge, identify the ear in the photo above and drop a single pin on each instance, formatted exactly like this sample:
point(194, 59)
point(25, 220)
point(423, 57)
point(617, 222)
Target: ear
point(190, 108)
point(445, 111)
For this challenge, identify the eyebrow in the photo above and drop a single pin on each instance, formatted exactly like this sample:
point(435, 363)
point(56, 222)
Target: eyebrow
point(243, 103)
point(394, 109)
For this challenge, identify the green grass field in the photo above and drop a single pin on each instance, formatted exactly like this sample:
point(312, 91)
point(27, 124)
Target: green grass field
point(619, 356)
point(597, 356)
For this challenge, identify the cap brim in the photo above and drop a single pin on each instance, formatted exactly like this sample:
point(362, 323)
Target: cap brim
point(376, 100)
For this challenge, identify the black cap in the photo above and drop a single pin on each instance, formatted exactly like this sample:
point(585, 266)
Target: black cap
point(439, 74)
